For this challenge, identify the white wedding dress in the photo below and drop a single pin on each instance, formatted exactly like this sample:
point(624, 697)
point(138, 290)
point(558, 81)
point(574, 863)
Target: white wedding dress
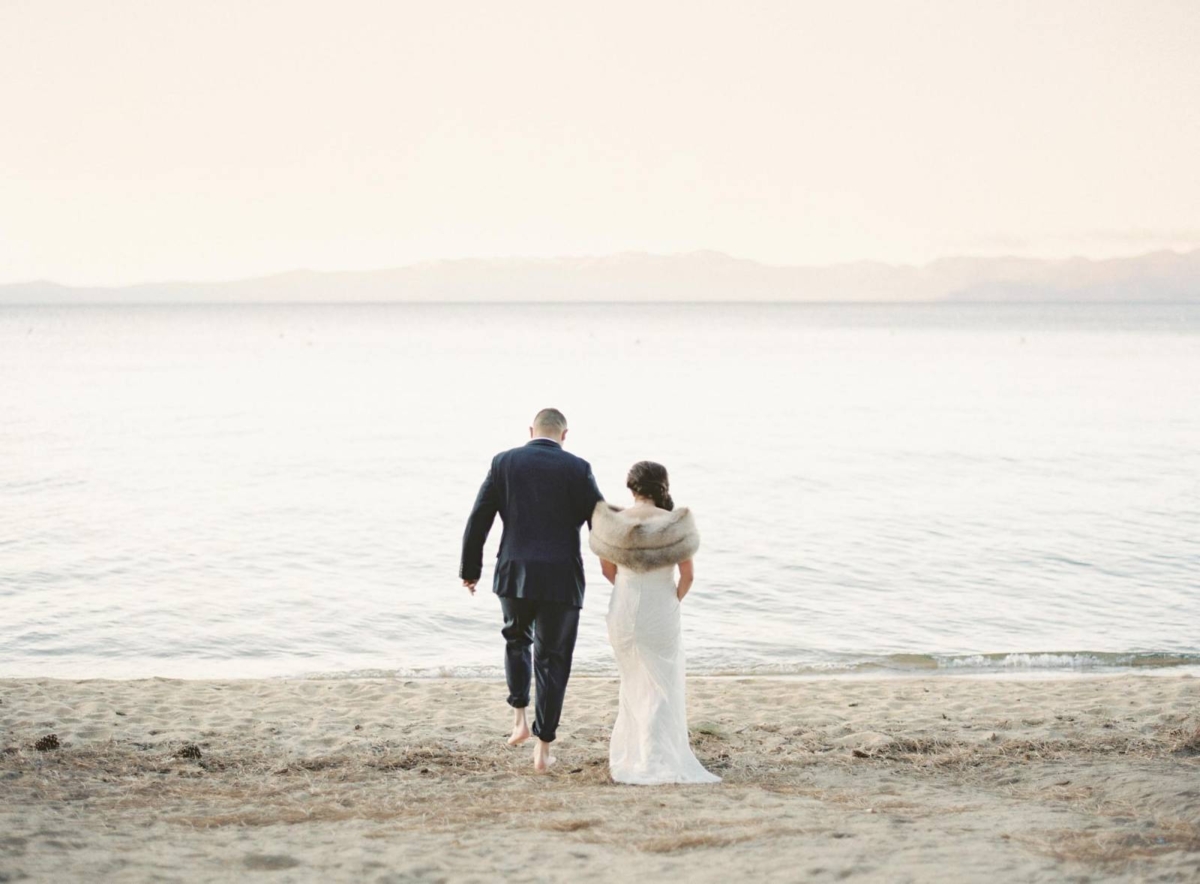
point(650, 738)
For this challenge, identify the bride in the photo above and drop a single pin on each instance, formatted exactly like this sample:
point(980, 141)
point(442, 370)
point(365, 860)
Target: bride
point(639, 549)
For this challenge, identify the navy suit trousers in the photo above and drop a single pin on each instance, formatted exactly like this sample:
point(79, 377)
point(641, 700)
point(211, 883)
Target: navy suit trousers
point(550, 629)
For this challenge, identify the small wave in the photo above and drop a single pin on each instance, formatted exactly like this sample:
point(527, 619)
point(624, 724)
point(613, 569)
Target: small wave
point(408, 672)
point(1060, 661)
point(1070, 660)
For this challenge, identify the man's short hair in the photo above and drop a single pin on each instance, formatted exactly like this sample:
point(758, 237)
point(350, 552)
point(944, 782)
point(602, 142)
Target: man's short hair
point(550, 421)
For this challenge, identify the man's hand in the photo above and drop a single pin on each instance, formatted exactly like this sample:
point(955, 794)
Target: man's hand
point(470, 585)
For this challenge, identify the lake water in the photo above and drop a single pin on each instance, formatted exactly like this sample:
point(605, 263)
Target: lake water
point(279, 490)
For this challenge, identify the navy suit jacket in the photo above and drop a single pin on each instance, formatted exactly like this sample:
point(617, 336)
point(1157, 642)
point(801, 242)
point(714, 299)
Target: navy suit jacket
point(543, 494)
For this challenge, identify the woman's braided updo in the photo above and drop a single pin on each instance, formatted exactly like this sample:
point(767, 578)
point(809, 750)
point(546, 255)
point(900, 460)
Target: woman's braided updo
point(649, 480)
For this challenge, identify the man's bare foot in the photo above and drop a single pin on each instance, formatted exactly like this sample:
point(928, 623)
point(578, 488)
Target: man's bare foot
point(520, 733)
point(542, 759)
point(520, 728)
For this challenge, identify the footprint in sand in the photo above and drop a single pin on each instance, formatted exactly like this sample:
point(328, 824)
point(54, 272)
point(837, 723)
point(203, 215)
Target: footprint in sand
point(269, 862)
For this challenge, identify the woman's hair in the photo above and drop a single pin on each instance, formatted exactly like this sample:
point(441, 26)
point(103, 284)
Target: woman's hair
point(649, 480)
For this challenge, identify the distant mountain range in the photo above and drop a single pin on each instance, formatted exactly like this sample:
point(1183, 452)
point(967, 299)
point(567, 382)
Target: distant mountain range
point(695, 276)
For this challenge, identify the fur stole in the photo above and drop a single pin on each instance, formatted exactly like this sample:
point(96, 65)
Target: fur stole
point(643, 544)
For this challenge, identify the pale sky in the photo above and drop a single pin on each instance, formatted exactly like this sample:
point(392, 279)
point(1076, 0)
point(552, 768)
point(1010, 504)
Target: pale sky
point(209, 140)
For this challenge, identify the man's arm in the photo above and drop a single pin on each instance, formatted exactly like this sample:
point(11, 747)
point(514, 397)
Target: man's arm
point(479, 523)
point(591, 497)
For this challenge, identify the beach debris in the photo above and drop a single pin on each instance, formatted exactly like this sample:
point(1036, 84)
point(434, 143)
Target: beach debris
point(568, 825)
point(1187, 740)
point(358, 727)
point(190, 751)
point(48, 743)
point(709, 729)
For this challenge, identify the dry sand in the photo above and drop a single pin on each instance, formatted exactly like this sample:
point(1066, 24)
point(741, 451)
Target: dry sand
point(858, 779)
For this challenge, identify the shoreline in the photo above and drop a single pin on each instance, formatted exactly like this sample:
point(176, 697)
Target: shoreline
point(860, 778)
point(1182, 670)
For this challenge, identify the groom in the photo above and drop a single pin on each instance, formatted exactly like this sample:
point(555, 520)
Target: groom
point(543, 494)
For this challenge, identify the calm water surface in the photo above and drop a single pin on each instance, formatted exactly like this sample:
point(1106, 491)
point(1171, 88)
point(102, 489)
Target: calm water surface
point(275, 490)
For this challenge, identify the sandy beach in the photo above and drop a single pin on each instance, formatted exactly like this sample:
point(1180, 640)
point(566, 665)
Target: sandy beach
point(853, 779)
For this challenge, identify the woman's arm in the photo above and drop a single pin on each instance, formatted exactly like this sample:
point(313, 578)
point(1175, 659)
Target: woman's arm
point(609, 569)
point(686, 575)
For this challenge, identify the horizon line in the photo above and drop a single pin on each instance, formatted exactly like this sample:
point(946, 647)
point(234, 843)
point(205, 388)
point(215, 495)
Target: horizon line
point(926, 302)
point(530, 259)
